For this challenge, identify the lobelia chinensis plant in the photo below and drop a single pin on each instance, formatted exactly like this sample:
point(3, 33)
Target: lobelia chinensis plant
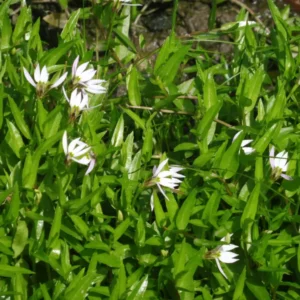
point(223, 254)
point(95, 235)
point(279, 164)
point(79, 152)
point(164, 176)
point(79, 101)
point(83, 79)
point(41, 80)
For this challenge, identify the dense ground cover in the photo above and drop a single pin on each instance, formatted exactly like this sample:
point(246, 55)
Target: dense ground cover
point(126, 174)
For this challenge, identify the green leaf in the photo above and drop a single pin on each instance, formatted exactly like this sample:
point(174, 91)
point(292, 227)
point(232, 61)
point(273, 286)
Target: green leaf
point(23, 21)
point(185, 211)
point(265, 140)
point(158, 210)
point(168, 71)
point(6, 33)
point(132, 83)
point(11, 271)
point(206, 123)
point(250, 209)
point(137, 120)
point(117, 138)
point(19, 118)
point(79, 290)
point(124, 40)
point(68, 31)
point(121, 229)
point(238, 292)
point(14, 138)
point(258, 289)
point(139, 290)
point(253, 87)
point(80, 225)
point(52, 56)
point(135, 166)
point(52, 122)
point(230, 160)
point(14, 205)
point(32, 162)
point(209, 91)
point(55, 228)
point(1, 104)
point(20, 238)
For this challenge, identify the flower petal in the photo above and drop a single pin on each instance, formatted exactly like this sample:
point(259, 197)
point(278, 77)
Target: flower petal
point(281, 160)
point(29, 78)
point(160, 167)
point(236, 135)
point(162, 191)
point(286, 177)
point(74, 66)
point(59, 81)
point(81, 69)
point(44, 75)
point(272, 155)
point(65, 94)
point(220, 268)
point(248, 150)
point(37, 73)
point(91, 166)
point(65, 142)
point(228, 257)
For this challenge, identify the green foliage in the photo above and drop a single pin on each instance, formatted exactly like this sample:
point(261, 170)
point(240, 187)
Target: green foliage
point(119, 230)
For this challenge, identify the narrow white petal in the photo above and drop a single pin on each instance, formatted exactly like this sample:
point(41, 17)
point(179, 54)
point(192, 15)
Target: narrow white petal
point(65, 143)
point(95, 90)
point(162, 191)
point(29, 78)
point(65, 94)
point(228, 247)
point(59, 81)
point(272, 159)
point(220, 268)
point(83, 160)
point(81, 69)
point(44, 75)
point(74, 66)
point(84, 102)
point(72, 145)
point(248, 150)
point(236, 135)
point(87, 75)
point(82, 152)
point(281, 160)
point(160, 167)
point(286, 177)
point(37, 74)
point(96, 81)
point(228, 257)
point(163, 174)
point(91, 166)
point(245, 143)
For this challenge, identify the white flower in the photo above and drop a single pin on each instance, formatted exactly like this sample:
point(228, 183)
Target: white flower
point(167, 178)
point(247, 150)
point(41, 79)
point(83, 78)
point(78, 101)
point(79, 152)
point(279, 164)
point(223, 254)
